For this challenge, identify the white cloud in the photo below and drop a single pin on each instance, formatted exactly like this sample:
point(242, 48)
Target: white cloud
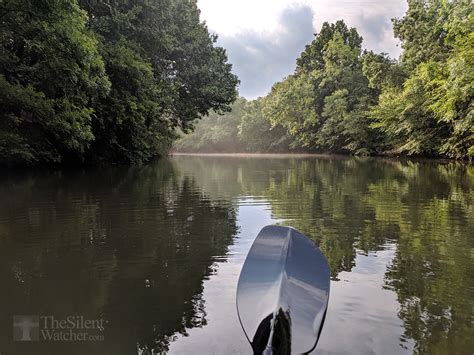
point(228, 17)
point(264, 37)
point(372, 18)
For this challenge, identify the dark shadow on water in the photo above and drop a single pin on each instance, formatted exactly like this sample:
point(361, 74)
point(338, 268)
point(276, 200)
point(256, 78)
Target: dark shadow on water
point(132, 246)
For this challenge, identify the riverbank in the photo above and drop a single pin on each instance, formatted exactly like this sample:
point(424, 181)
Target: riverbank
point(260, 155)
point(322, 156)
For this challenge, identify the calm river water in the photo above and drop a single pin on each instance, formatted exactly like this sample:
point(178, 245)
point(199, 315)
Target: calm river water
point(155, 253)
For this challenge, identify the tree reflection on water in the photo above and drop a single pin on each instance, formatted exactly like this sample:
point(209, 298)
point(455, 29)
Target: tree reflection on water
point(130, 246)
point(134, 245)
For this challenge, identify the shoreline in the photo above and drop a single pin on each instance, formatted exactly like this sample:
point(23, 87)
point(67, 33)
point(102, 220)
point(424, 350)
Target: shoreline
point(324, 156)
point(261, 155)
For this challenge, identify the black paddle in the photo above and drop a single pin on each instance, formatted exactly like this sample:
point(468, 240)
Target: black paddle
point(283, 292)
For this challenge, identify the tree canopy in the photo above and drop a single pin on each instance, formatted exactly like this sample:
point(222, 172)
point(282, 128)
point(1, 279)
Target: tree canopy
point(431, 111)
point(244, 129)
point(343, 99)
point(118, 81)
point(104, 81)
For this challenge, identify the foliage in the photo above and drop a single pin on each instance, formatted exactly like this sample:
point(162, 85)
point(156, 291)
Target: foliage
point(113, 81)
point(165, 73)
point(431, 112)
point(243, 129)
point(422, 31)
point(109, 83)
point(258, 135)
point(290, 104)
point(50, 76)
point(341, 99)
point(325, 102)
point(381, 71)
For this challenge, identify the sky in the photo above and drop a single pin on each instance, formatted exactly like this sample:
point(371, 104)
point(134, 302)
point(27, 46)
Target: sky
point(263, 38)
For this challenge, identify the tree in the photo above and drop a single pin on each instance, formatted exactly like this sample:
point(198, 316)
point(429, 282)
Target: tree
point(165, 71)
point(216, 133)
point(291, 105)
point(51, 74)
point(325, 102)
point(381, 71)
point(110, 84)
point(431, 113)
point(243, 129)
point(454, 91)
point(403, 115)
point(422, 32)
point(312, 56)
point(258, 135)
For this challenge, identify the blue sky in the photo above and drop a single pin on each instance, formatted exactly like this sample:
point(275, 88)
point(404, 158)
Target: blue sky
point(263, 38)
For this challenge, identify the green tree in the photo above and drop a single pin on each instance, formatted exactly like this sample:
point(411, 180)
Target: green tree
point(431, 113)
point(325, 102)
point(404, 116)
point(422, 31)
point(258, 135)
point(165, 71)
point(291, 104)
point(454, 88)
point(381, 71)
point(313, 56)
point(51, 75)
point(243, 129)
point(216, 133)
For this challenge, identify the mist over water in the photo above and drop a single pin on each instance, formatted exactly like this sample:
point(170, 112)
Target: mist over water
point(157, 251)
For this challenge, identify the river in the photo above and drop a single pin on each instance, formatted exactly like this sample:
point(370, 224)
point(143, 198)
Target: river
point(156, 251)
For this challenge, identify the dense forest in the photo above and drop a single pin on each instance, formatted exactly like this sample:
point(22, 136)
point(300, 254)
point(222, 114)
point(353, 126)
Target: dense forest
point(118, 81)
point(104, 81)
point(344, 99)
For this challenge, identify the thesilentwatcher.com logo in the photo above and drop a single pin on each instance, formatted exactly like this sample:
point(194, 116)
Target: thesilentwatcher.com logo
point(50, 328)
point(25, 328)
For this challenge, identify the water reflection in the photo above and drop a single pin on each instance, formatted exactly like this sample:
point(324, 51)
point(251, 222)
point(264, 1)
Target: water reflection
point(130, 246)
point(422, 212)
point(157, 251)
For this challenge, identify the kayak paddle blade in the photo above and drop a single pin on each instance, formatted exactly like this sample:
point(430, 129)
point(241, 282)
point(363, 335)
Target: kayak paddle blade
point(283, 292)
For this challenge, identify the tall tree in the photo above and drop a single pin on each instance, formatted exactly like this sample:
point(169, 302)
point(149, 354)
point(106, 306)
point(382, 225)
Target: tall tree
point(432, 112)
point(51, 74)
point(325, 102)
point(313, 55)
point(165, 71)
point(422, 32)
